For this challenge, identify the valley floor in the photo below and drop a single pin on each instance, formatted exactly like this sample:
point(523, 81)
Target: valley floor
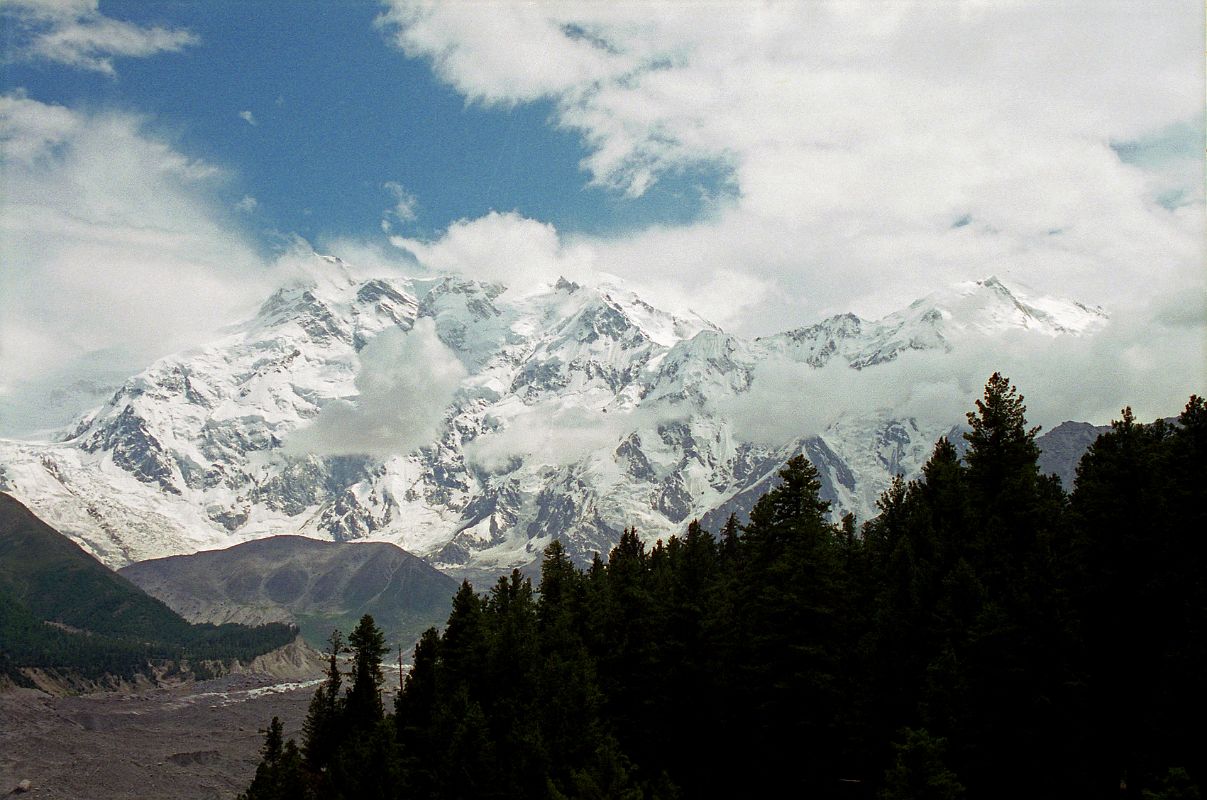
point(196, 741)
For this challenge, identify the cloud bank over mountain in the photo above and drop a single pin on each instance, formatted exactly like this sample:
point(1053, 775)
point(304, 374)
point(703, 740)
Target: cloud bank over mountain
point(850, 156)
point(405, 382)
point(874, 150)
point(115, 239)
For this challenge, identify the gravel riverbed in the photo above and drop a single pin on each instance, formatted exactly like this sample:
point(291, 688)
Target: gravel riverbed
point(201, 740)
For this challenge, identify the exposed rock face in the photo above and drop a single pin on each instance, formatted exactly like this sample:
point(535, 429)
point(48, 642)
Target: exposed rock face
point(585, 411)
point(297, 661)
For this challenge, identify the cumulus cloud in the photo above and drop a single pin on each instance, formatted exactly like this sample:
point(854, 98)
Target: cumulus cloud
point(109, 236)
point(248, 117)
point(525, 254)
point(405, 383)
point(76, 33)
point(507, 248)
point(877, 151)
point(858, 135)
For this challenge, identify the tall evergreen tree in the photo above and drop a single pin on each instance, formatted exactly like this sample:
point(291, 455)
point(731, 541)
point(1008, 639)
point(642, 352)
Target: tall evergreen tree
point(363, 701)
point(1001, 448)
point(1018, 651)
point(982, 626)
point(463, 647)
point(417, 710)
point(321, 731)
point(789, 601)
point(1139, 507)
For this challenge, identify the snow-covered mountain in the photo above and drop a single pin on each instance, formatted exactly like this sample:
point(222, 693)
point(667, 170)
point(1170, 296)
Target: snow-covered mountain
point(584, 410)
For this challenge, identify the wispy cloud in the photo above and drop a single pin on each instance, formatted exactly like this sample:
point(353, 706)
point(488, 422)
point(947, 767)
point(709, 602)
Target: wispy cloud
point(405, 208)
point(113, 235)
point(76, 33)
point(248, 117)
point(247, 204)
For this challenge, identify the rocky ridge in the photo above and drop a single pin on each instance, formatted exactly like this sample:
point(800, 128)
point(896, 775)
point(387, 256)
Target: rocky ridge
point(585, 410)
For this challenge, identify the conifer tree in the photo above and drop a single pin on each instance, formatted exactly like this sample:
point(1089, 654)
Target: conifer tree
point(982, 626)
point(730, 532)
point(417, 710)
point(1018, 650)
point(560, 600)
point(1139, 508)
point(463, 645)
point(279, 775)
point(1000, 445)
point(363, 702)
point(789, 596)
point(625, 636)
point(321, 732)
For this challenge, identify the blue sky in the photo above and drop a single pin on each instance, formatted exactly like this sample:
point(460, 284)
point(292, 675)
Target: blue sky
point(762, 164)
point(332, 113)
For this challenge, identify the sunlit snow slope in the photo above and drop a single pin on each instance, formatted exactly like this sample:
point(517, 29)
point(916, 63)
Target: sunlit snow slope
point(584, 411)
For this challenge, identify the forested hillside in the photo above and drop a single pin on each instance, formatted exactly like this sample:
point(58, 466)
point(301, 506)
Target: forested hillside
point(985, 636)
point(62, 610)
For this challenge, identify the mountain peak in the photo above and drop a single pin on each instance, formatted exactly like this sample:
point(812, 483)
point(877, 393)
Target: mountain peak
point(189, 453)
point(989, 306)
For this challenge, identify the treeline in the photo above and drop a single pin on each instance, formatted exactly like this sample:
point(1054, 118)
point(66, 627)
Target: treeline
point(27, 641)
point(986, 636)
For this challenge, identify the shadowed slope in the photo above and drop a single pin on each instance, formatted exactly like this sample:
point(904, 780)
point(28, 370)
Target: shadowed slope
point(62, 609)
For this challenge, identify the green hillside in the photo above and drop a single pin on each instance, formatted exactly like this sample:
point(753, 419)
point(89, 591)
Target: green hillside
point(62, 609)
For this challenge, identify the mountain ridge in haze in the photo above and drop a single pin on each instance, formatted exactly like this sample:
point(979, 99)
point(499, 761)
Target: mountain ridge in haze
point(316, 585)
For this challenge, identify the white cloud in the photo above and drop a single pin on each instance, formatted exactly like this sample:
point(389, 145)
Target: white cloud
point(551, 436)
point(857, 135)
point(524, 254)
point(406, 205)
point(248, 117)
point(652, 86)
point(557, 435)
point(406, 382)
point(76, 33)
point(507, 248)
point(1088, 378)
point(247, 204)
point(109, 236)
point(522, 54)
